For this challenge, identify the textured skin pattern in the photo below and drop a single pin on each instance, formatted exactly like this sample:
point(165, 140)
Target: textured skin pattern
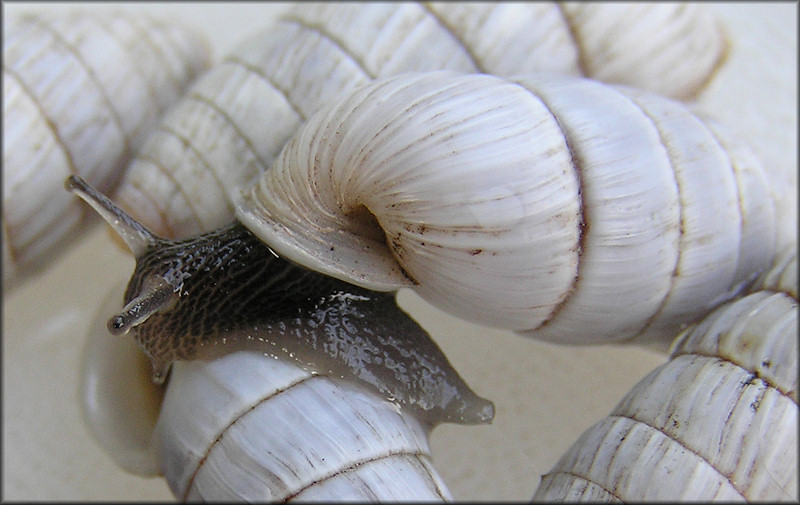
point(232, 293)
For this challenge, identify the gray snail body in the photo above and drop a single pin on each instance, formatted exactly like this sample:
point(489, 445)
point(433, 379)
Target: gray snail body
point(225, 291)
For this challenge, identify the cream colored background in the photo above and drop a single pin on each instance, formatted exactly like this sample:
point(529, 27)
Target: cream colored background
point(545, 395)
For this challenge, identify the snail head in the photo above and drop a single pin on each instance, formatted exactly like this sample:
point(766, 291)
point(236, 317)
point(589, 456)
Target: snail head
point(148, 292)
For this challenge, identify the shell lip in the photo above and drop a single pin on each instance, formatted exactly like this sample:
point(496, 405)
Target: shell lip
point(360, 264)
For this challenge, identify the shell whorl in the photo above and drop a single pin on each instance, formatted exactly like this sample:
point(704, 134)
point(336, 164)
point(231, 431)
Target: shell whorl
point(324, 437)
point(541, 204)
point(80, 92)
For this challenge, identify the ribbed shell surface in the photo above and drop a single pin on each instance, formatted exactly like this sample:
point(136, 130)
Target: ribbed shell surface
point(233, 123)
point(249, 427)
point(80, 92)
point(568, 209)
point(718, 421)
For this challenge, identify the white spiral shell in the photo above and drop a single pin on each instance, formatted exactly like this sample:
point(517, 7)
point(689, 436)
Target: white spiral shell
point(326, 438)
point(540, 186)
point(80, 92)
point(215, 141)
point(717, 422)
point(561, 207)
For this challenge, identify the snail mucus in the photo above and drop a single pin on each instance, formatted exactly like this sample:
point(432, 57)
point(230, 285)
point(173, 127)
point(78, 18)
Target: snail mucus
point(226, 291)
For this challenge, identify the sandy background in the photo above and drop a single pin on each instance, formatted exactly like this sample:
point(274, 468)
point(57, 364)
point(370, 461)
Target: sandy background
point(545, 395)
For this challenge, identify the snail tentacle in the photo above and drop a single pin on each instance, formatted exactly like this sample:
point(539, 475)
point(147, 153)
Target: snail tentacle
point(136, 236)
point(156, 296)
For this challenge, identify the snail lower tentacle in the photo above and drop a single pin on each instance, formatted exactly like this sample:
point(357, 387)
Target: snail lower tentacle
point(226, 291)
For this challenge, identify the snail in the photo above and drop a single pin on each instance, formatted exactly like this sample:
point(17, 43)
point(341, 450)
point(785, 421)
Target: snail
point(185, 179)
point(81, 91)
point(223, 291)
point(511, 167)
point(249, 427)
point(559, 191)
point(717, 422)
point(190, 300)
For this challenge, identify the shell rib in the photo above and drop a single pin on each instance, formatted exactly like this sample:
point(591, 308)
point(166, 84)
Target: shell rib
point(80, 91)
point(571, 210)
point(232, 124)
point(718, 421)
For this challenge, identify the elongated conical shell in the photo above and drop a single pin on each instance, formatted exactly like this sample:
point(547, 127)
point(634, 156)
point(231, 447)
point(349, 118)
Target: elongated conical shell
point(561, 207)
point(718, 421)
point(232, 124)
point(80, 91)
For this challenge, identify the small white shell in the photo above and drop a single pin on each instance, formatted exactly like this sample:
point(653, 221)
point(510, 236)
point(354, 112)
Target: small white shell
point(249, 427)
point(718, 421)
point(232, 124)
point(571, 210)
point(80, 91)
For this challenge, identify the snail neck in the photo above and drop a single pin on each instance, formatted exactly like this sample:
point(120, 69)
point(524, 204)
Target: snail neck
point(186, 292)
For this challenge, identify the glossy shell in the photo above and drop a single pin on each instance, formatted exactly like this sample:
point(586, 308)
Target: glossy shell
point(326, 438)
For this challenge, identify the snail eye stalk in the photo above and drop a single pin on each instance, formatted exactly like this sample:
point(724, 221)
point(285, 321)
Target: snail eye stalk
point(136, 236)
point(156, 295)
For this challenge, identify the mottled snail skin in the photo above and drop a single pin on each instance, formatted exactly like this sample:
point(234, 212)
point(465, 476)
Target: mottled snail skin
point(223, 291)
point(250, 427)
